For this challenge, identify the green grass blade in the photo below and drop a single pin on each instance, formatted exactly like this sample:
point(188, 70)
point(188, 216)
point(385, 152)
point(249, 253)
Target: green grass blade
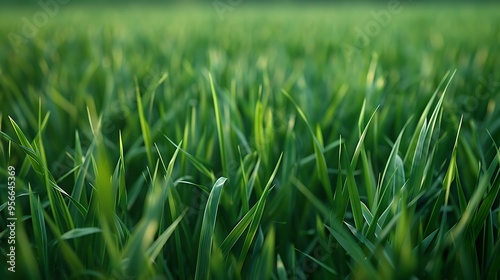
point(146, 134)
point(79, 232)
point(40, 231)
point(197, 163)
point(351, 247)
point(280, 268)
point(255, 223)
point(155, 248)
point(320, 263)
point(220, 128)
point(265, 258)
point(318, 151)
point(207, 230)
point(237, 232)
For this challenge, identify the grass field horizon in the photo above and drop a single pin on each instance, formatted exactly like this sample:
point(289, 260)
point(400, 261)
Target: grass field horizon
point(259, 142)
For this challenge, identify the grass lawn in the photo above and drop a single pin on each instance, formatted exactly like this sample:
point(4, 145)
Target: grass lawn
point(258, 142)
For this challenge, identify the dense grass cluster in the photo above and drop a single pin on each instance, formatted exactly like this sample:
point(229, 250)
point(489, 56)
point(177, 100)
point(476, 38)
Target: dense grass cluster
point(272, 143)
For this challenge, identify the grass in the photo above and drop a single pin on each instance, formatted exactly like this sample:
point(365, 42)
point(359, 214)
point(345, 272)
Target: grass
point(167, 142)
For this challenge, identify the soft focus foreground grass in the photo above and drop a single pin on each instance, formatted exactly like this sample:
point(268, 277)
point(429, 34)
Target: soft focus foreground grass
point(124, 123)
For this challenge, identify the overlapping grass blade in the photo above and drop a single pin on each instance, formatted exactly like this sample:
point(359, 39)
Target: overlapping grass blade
point(259, 211)
point(40, 231)
point(146, 134)
point(318, 151)
point(238, 230)
point(220, 127)
point(265, 258)
point(351, 247)
point(157, 246)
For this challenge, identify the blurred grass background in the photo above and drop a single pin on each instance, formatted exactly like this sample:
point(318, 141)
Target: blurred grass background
point(103, 96)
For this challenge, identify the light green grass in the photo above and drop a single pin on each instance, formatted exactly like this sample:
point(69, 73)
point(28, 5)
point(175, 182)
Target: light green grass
point(165, 141)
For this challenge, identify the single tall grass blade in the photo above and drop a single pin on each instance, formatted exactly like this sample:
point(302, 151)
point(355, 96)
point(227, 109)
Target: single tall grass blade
point(146, 134)
point(220, 128)
point(207, 231)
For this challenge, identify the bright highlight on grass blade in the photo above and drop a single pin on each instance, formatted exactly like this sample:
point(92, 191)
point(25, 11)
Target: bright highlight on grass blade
point(207, 230)
point(79, 232)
